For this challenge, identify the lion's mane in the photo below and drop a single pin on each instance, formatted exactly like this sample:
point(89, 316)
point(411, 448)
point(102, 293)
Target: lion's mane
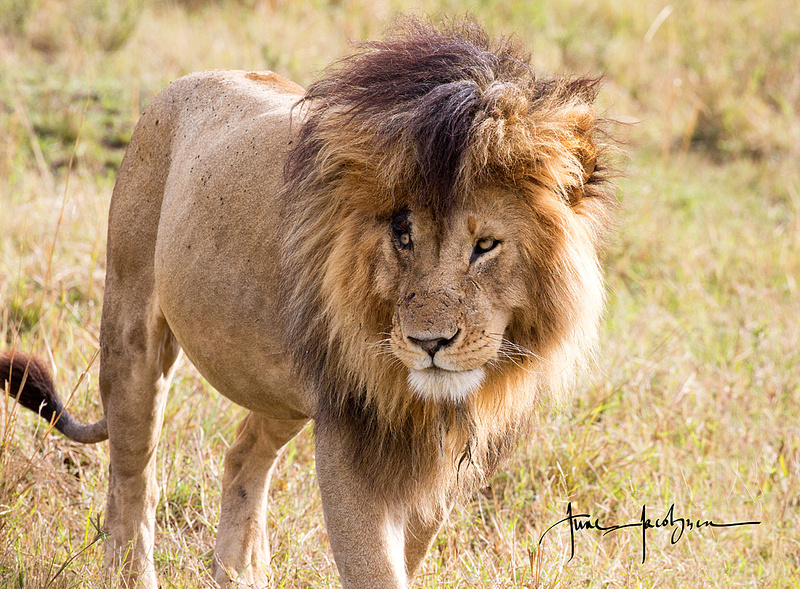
point(421, 119)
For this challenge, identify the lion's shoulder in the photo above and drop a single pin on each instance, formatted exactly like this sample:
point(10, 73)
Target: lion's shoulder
point(207, 99)
point(264, 80)
point(275, 82)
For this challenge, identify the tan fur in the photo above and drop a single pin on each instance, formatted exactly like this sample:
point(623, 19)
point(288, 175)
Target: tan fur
point(317, 260)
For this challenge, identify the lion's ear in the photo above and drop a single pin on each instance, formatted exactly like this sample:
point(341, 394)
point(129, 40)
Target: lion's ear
point(574, 125)
point(582, 117)
point(589, 166)
point(583, 154)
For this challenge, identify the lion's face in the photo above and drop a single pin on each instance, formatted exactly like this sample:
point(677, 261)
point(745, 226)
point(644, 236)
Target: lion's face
point(456, 284)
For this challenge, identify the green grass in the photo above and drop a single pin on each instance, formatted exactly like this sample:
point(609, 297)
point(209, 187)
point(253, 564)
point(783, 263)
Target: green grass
point(695, 396)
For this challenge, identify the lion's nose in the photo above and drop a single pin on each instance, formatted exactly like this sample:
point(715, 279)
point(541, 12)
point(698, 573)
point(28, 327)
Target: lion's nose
point(433, 345)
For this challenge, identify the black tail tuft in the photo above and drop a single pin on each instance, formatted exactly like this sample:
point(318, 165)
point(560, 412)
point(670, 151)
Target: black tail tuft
point(29, 382)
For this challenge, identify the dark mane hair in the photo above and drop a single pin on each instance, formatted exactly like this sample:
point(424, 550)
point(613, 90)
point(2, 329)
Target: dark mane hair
point(426, 92)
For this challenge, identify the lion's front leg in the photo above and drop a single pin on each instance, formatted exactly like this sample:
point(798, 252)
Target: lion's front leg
point(242, 549)
point(419, 535)
point(366, 534)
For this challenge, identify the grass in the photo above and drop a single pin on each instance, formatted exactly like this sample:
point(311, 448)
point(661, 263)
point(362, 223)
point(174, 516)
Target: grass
point(696, 394)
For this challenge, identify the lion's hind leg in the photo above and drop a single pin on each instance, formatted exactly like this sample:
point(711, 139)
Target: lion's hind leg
point(138, 352)
point(242, 549)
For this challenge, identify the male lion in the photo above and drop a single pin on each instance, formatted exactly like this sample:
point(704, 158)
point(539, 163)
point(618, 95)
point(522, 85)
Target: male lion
point(406, 253)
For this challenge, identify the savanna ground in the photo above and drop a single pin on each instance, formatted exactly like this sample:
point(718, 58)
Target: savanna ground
point(695, 397)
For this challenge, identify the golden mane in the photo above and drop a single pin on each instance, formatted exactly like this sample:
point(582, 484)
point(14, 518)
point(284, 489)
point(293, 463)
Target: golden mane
point(423, 119)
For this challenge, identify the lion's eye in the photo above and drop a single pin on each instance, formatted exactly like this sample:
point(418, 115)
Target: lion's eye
point(484, 245)
point(402, 237)
point(401, 229)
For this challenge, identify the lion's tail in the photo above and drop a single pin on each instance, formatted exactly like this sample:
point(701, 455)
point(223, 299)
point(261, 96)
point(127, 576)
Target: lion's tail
point(29, 382)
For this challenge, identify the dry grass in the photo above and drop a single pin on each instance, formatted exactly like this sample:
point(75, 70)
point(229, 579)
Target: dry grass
point(696, 395)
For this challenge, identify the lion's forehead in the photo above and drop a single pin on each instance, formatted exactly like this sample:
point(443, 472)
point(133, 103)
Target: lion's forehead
point(491, 209)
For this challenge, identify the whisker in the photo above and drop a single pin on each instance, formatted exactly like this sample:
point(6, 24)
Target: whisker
point(520, 350)
point(380, 344)
point(508, 351)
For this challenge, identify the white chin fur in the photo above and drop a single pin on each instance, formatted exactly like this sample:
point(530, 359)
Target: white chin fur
point(445, 385)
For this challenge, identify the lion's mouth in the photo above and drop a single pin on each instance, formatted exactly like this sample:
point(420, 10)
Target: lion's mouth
point(438, 384)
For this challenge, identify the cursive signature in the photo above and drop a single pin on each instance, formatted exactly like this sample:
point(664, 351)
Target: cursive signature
point(583, 521)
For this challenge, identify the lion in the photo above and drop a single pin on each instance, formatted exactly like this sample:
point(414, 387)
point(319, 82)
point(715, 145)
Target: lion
point(406, 253)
